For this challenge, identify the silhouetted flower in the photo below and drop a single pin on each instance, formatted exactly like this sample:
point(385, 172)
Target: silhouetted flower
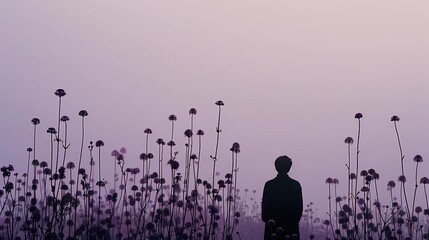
point(148, 131)
point(29, 149)
point(200, 132)
point(219, 103)
point(35, 121)
point(172, 117)
point(418, 159)
point(394, 119)
point(352, 176)
point(424, 180)
point(99, 143)
point(391, 184)
point(83, 113)
point(65, 118)
point(358, 115)
point(402, 179)
point(51, 130)
point(123, 150)
point(60, 92)
point(171, 143)
point(143, 156)
point(114, 153)
point(70, 165)
point(192, 111)
point(235, 147)
point(349, 140)
point(160, 141)
point(188, 133)
point(329, 181)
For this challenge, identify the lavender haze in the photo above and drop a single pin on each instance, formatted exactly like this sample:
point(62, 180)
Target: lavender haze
point(292, 75)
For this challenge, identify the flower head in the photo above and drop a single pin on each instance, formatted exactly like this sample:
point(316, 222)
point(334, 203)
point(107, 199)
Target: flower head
point(172, 117)
point(99, 143)
point(402, 179)
point(60, 92)
point(349, 140)
point(394, 118)
point(358, 115)
point(200, 132)
point(418, 159)
point(424, 180)
point(64, 119)
point(83, 113)
point(192, 111)
point(329, 180)
point(35, 121)
point(29, 149)
point(123, 150)
point(148, 131)
point(160, 141)
point(219, 103)
point(188, 133)
point(235, 147)
point(391, 184)
point(51, 130)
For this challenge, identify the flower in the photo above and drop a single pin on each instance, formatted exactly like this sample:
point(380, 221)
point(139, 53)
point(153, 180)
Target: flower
point(171, 143)
point(60, 92)
point(35, 121)
point(418, 159)
point(391, 184)
point(235, 147)
point(51, 130)
point(99, 143)
point(402, 179)
point(123, 150)
point(160, 141)
point(70, 165)
point(143, 156)
point(394, 118)
point(424, 180)
point(83, 113)
point(172, 117)
point(358, 115)
point(200, 132)
point(219, 103)
point(114, 153)
point(148, 131)
point(329, 180)
point(192, 111)
point(188, 133)
point(29, 149)
point(64, 119)
point(349, 140)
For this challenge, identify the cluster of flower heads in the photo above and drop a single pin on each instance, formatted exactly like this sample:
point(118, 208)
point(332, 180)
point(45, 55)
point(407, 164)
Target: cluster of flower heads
point(60, 199)
point(361, 215)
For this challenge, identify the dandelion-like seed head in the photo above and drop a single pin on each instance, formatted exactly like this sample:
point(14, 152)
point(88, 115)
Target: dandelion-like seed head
point(188, 133)
point(99, 143)
point(172, 117)
point(60, 92)
point(394, 118)
point(349, 140)
point(358, 115)
point(418, 159)
point(192, 111)
point(64, 118)
point(83, 113)
point(219, 103)
point(148, 131)
point(35, 121)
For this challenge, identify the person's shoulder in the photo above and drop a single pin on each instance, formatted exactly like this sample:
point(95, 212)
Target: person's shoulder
point(295, 182)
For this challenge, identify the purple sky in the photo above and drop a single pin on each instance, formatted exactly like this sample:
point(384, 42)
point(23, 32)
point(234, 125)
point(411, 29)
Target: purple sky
point(292, 75)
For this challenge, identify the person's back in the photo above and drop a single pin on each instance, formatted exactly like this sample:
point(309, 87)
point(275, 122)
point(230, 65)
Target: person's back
point(282, 202)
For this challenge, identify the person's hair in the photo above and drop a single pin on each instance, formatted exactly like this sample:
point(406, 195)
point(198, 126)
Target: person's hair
point(283, 164)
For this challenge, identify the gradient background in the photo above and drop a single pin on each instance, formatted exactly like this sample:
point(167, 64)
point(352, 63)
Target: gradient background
point(292, 75)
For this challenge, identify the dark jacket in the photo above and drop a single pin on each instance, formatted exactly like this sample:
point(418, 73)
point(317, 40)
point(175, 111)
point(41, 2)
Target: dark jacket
point(282, 202)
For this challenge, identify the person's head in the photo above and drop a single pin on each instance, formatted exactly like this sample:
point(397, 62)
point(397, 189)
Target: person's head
point(283, 164)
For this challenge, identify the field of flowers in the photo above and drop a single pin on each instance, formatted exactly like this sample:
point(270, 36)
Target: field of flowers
point(167, 198)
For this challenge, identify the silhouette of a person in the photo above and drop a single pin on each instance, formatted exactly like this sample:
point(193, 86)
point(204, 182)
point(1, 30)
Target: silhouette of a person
point(282, 202)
